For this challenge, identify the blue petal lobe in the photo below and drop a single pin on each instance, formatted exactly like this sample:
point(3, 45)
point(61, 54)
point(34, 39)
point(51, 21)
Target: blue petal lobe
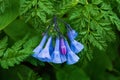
point(44, 55)
point(76, 46)
point(63, 58)
point(72, 34)
point(56, 58)
point(38, 49)
point(71, 56)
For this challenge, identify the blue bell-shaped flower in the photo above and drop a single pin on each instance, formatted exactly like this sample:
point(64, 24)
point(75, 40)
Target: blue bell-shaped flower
point(38, 49)
point(72, 34)
point(71, 56)
point(44, 55)
point(56, 56)
point(76, 46)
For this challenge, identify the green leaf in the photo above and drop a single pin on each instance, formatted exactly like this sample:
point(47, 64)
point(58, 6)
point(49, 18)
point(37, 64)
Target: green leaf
point(97, 1)
point(17, 30)
point(75, 73)
point(15, 54)
point(3, 45)
point(82, 1)
point(97, 41)
point(20, 72)
point(44, 6)
point(41, 15)
point(10, 13)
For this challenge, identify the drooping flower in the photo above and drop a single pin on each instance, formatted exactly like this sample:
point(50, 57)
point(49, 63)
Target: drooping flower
point(56, 56)
point(44, 55)
point(76, 46)
point(70, 32)
point(62, 46)
point(71, 56)
point(38, 49)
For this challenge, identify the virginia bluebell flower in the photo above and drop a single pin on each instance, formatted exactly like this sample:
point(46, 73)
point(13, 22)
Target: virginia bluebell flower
point(62, 46)
point(71, 56)
point(76, 46)
point(38, 49)
point(72, 34)
point(44, 55)
point(56, 56)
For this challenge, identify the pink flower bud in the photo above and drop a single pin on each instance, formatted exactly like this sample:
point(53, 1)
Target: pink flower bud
point(62, 46)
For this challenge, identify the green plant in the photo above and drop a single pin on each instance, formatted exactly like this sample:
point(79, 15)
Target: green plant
point(97, 22)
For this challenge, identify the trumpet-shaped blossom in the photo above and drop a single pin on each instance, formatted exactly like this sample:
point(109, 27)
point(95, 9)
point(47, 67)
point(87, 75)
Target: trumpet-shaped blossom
point(44, 55)
point(62, 46)
point(56, 56)
point(71, 56)
point(76, 46)
point(38, 49)
point(70, 32)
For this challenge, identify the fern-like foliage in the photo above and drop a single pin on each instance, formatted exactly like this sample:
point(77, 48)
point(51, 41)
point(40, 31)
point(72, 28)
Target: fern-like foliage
point(96, 21)
point(37, 12)
point(93, 20)
point(16, 53)
point(64, 6)
point(3, 45)
point(37, 8)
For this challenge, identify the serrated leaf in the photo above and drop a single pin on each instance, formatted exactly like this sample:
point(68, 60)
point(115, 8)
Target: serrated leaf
point(3, 45)
point(41, 15)
point(44, 6)
point(96, 1)
point(16, 54)
point(82, 1)
point(97, 42)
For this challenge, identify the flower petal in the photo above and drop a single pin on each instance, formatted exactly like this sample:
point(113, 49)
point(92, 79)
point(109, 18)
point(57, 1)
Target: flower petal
point(63, 58)
point(71, 56)
point(56, 58)
point(56, 53)
point(72, 34)
point(76, 46)
point(38, 49)
point(44, 55)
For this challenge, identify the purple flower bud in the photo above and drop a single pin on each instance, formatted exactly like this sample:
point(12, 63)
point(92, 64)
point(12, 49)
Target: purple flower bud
point(56, 56)
point(38, 49)
point(76, 46)
point(62, 46)
point(71, 56)
point(44, 55)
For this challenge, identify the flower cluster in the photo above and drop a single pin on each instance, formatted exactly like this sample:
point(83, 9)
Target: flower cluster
point(62, 51)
